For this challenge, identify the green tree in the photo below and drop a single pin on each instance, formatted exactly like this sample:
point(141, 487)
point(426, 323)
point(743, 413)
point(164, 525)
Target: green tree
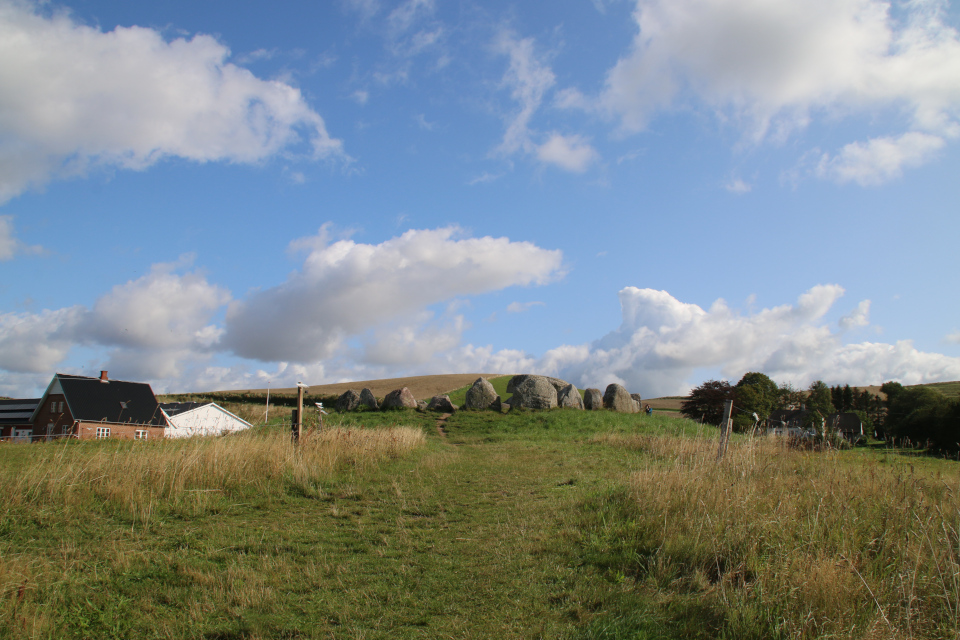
point(789, 397)
point(819, 405)
point(756, 394)
point(706, 401)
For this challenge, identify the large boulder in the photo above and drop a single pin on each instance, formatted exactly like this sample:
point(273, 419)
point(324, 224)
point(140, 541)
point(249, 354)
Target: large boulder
point(616, 398)
point(399, 399)
point(349, 400)
point(592, 400)
point(368, 400)
point(516, 381)
point(441, 404)
point(496, 405)
point(637, 400)
point(570, 398)
point(535, 392)
point(481, 395)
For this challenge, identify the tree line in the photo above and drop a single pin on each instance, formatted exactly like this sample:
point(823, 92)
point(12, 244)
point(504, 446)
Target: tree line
point(913, 415)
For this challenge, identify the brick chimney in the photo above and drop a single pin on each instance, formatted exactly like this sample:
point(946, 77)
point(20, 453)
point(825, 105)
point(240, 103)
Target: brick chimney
point(103, 376)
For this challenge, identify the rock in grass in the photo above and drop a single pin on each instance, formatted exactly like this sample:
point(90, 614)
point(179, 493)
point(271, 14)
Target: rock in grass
point(535, 392)
point(441, 404)
point(349, 400)
point(592, 400)
point(570, 398)
point(368, 400)
point(480, 396)
point(496, 405)
point(637, 400)
point(616, 398)
point(399, 399)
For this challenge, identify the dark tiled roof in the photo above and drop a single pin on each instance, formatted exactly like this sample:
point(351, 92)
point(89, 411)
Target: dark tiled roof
point(173, 408)
point(17, 411)
point(113, 401)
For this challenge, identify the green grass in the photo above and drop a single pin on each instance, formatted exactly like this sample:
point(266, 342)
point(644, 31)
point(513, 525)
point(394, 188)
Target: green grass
point(558, 524)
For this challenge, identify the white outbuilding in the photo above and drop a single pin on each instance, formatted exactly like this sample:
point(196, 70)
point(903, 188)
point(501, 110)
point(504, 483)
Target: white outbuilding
point(188, 419)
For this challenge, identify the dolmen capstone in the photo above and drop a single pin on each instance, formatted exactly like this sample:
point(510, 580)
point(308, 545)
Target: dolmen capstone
point(368, 400)
point(570, 398)
point(533, 392)
point(616, 398)
point(399, 399)
point(349, 400)
point(481, 396)
point(592, 400)
point(441, 404)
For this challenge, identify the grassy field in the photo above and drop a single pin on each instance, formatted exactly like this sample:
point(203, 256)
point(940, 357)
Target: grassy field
point(558, 524)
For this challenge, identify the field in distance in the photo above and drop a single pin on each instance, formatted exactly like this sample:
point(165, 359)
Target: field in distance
point(420, 386)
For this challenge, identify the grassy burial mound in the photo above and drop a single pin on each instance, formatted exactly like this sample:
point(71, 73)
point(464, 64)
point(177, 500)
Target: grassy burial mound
point(552, 524)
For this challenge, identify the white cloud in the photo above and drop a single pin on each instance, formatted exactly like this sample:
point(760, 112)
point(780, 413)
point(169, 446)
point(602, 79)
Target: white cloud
point(952, 338)
point(73, 97)
point(360, 96)
point(520, 307)
point(859, 317)
point(572, 153)
point(772, 66)
point(9, 245)
point(152, 325)
point(528, 79)
point(880, 159)
point(737, 186)
point(405, 15)
point(345, 288)
point(663, 341)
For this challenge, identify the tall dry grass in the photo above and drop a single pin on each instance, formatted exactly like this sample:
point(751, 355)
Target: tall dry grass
point(793, 544)
point(191, 474)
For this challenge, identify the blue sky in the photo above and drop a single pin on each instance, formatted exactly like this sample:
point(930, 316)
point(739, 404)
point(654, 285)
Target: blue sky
point(240, 194)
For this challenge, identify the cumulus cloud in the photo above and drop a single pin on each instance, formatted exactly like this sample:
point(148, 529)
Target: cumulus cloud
point(880, 159)
point(773, 66)
point(10, 246)
point(73, 97)
point(572, 153)
point(345, 288)
point(663, 341)
point(859, 317)
point(151, 325)
point(952, 338)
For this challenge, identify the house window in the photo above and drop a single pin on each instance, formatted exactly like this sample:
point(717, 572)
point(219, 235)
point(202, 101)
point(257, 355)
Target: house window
point(53, 407)
point(103, 432)
point(60, 410)
point(140, 434)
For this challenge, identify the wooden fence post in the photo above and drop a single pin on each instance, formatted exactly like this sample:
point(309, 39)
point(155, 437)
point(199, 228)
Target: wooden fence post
point(726, 426)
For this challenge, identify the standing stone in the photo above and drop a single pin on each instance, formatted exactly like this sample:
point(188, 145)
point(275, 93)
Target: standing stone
point(349, 400)
point(638, 401)
point(570, 398)
point(480, 396)
point(441, 404)
point(516, 381)
point(368, 400)
point(592, 400)
point(496, 405)
point(421, 405)
point(617, 398)
point(399, 399)
point(535, 392)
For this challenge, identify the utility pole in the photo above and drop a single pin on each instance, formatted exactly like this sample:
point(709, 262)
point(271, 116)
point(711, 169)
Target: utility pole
point(726, 426)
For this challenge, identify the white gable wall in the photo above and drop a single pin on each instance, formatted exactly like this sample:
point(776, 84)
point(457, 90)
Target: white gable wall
point(208, 420)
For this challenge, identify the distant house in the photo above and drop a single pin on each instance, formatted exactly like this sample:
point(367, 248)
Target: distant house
point(90, 408)
point(15, 419)
point(188, 419)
